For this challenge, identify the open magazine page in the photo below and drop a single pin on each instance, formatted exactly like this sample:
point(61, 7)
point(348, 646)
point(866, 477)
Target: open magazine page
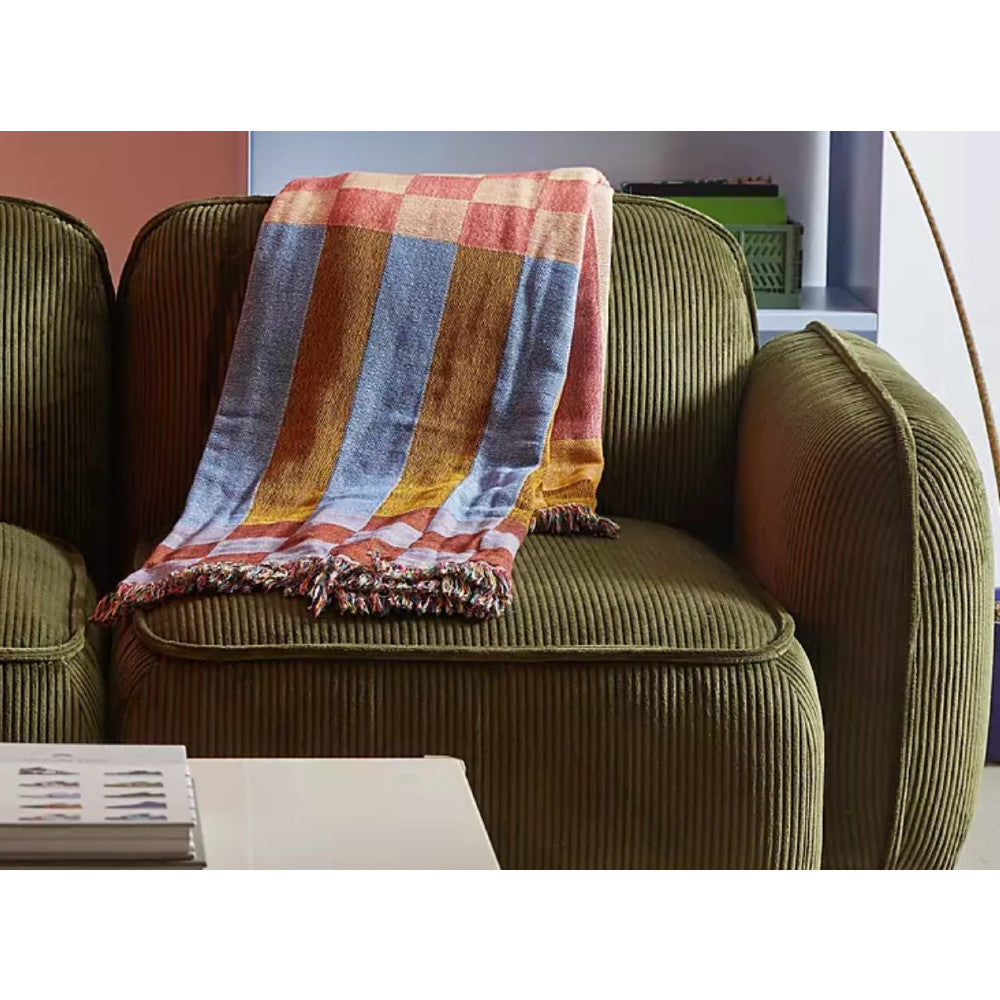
point(72, 785)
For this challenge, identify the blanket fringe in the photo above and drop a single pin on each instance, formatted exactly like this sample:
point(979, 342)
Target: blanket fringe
point(470, 589)
point(473, 590)
point(571, 519)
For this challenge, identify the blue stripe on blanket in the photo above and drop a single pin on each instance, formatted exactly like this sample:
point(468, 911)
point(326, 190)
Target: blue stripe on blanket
point(395, 368)
point(259, 375)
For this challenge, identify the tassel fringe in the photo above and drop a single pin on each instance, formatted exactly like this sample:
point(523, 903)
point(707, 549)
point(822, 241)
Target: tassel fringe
point(571, 519)
point(472, 590)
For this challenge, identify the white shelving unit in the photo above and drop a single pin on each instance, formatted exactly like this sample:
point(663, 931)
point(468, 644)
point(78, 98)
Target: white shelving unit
point(834, 306)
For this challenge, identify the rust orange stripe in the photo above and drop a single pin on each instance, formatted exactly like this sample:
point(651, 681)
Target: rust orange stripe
point(271, 529)
point(578, 414)
point(418, 518)
point(332, 533)
point(162, 554)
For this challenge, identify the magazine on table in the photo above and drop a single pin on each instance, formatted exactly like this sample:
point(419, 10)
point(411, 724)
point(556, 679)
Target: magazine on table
point(95, 800)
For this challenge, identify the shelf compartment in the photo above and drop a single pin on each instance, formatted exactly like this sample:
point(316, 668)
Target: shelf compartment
point(836, 307)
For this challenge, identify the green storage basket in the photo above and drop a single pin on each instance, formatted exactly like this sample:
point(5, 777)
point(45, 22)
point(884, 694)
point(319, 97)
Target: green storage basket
point(774, 255)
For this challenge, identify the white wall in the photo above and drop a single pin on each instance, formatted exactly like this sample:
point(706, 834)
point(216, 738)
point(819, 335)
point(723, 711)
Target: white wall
point(917, 321)
point(798, 161)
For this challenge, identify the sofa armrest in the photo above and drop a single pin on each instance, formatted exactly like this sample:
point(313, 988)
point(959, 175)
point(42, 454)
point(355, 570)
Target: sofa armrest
point(861, 508)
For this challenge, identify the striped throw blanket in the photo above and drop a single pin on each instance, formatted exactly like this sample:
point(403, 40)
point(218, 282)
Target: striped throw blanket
point(415, 384)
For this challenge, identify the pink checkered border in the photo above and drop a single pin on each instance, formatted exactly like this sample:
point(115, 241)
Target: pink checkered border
point(536, 214)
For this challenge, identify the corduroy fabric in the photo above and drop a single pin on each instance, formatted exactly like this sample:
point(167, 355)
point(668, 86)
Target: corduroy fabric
point(681, 340)
point(55, 378)
point(693, 738)
point(179, 302)
point(51, 680)
point(655, 591)
point(861, 508)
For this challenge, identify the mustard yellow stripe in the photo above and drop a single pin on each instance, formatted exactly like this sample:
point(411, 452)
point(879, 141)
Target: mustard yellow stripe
point(331, 349)
point(529, 499)
point(572, 471)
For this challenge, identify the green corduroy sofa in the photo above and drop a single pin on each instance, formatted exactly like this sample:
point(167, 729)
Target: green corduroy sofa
point(56, 311)
point(782, 661)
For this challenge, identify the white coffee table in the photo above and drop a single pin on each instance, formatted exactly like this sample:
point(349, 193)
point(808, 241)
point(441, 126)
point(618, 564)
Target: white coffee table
point(339, 813)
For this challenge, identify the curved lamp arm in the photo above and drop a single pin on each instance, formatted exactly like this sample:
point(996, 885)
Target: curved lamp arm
point(963, 319)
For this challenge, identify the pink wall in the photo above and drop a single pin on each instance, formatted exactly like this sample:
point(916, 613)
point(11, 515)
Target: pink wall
point(115, 181)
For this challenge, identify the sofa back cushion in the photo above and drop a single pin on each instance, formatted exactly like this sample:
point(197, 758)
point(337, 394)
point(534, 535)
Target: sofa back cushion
point(56, 304)
point(681, 341)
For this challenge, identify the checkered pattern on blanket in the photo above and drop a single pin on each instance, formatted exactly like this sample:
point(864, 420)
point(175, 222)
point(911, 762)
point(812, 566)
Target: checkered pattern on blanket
point(416, 382)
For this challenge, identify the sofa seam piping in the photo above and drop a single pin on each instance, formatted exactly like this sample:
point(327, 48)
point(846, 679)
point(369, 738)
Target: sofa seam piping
point(900, 423)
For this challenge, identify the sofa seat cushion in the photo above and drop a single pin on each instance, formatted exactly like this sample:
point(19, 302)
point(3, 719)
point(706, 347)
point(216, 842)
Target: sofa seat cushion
point(51, 678)
point(642, 704)
point(652, 591)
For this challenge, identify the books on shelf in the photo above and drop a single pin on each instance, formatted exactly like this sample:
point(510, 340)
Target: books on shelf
point(64, 804)
point(742, 201)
